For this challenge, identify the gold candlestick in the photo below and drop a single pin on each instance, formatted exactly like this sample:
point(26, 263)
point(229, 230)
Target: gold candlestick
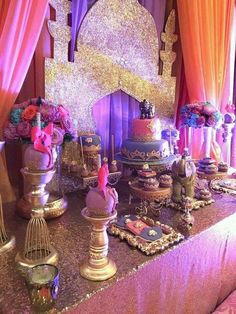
point(82, 150)
point(113, 166)
point(104, 148)
point(99, 267)
point(112, 147)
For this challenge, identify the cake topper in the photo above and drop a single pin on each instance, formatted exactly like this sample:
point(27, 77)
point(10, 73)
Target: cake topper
point(146, 110)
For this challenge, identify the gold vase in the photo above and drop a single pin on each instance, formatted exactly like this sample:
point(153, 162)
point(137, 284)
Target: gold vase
point(99, 267)
point(55, 206)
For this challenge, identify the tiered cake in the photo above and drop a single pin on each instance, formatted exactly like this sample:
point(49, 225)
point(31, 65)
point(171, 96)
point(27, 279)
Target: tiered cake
point(145, 144)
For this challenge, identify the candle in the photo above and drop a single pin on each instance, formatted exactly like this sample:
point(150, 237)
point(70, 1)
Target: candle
point(82, 150)
point(104, 145)
point(38, 119)
point(99, 161)
point(42, 275)
point(112, 147)
point(170, 139)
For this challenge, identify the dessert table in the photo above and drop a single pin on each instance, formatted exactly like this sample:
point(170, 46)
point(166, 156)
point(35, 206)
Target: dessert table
point(191, 277)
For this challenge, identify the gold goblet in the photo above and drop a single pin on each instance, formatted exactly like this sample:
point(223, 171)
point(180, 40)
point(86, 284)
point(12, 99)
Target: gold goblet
point(99, 267)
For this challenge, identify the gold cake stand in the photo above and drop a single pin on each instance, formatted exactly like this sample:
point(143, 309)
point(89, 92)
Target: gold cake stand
point(213, 176)
point(148, 198)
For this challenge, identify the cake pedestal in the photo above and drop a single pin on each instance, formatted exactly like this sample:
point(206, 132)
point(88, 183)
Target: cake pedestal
point(148, 198)
point(160, 166)
point(213, 176)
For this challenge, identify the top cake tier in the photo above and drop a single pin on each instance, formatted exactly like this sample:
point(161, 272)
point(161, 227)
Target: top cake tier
point(146, 129)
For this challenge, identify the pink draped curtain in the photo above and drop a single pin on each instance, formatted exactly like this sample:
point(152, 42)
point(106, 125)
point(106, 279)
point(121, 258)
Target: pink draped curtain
point(20, 26)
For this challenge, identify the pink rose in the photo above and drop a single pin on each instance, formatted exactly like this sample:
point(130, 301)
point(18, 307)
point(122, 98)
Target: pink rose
point(24, 129)
point(66, 124)
point(58, 135)
point(208, 109)
point(211, 121)
point(201, 121)
point(49, 113)
point(9, 132)
point(230, 108)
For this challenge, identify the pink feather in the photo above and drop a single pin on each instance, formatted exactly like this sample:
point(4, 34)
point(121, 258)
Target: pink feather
point(103, 177)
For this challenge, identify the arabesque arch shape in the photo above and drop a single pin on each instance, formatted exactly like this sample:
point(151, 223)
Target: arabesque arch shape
point(117, 50)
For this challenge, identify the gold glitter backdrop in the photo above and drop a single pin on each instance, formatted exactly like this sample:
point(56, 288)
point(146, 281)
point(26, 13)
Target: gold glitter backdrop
point(117, 50)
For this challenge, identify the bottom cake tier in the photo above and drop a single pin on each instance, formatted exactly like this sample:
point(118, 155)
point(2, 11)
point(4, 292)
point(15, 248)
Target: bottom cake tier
point(145, 151)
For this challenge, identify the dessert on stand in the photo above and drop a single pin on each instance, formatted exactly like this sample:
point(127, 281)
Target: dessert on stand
point(148, 190)
point(90, 152)
point(209, 169)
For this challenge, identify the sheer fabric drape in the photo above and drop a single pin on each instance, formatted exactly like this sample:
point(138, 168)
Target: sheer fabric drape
point(20, 26)
point(205, 29)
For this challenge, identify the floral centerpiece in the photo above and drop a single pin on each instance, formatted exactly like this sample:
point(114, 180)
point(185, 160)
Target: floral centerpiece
point(23, 117)
point(201, 114)
point(198, 115)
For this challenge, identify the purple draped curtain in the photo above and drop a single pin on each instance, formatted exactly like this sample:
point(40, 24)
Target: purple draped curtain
point(113, 114)
point(79, 9)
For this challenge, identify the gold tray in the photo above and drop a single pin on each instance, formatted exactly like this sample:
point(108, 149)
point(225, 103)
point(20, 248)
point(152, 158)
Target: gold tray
point(170, 237)
point(224, 186)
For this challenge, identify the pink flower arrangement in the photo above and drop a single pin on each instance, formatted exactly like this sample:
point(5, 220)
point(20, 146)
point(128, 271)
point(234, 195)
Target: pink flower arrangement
point(201, 114)
point(23, 117)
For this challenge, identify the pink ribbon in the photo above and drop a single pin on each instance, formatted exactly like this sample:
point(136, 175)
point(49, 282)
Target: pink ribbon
point(42, 140)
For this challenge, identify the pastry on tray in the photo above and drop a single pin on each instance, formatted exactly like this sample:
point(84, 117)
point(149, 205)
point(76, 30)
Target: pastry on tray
point(223, 167)
point(165, 181)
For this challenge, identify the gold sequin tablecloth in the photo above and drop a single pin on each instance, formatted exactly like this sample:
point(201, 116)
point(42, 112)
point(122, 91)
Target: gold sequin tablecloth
point(191, 277)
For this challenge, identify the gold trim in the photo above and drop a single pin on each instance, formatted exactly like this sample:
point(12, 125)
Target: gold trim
point(153, 155)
